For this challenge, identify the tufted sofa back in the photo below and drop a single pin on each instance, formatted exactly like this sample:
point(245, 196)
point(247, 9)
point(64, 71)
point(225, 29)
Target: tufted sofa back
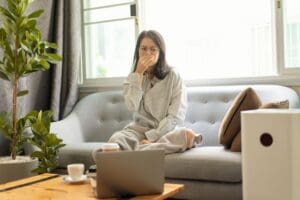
point(208, 105)
point(97, 116)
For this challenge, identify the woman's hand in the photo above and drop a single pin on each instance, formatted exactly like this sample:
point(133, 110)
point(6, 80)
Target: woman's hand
point(144, 63)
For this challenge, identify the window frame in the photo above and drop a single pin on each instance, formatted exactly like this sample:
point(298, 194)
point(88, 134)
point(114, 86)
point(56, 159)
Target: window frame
point(107, 81)
point(280, 46)
point(285, 76)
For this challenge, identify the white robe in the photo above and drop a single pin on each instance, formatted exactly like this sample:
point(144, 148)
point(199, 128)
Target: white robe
point(159, 108)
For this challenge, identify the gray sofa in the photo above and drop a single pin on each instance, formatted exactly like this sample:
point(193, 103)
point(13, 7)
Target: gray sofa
point(209, 172)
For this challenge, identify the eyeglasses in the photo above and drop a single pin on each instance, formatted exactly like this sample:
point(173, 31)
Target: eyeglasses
point(146, 49)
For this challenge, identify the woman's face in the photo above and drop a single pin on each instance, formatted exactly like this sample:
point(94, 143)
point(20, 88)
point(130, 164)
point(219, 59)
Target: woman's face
point(149, 49)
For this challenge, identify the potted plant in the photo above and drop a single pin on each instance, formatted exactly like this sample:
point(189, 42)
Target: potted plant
point(46, 144)
point(23, 53)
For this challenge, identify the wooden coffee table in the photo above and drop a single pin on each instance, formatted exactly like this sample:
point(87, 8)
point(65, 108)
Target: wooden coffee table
point(51, 186)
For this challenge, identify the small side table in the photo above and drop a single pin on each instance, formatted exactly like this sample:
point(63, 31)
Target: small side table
point(271, 154)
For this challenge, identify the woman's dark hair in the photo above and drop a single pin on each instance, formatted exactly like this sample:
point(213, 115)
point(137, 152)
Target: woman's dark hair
point(161, 69)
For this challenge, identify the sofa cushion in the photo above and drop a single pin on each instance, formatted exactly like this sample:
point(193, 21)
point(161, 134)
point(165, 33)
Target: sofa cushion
point(205, 163)
point(231, 123)
point(236, 143)
point(78, 153)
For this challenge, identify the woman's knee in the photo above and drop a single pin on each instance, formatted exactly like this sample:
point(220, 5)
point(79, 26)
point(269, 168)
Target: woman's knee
point(189, 131)
point(117, 136)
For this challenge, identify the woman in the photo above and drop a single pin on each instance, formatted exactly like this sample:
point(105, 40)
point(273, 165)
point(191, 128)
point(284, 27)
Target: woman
point(156, 95)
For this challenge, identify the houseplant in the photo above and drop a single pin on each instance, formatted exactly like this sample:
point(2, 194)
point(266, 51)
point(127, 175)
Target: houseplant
point(23, 53)
point(46, 144)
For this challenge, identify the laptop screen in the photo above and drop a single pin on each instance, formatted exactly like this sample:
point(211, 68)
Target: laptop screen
point(129, 173)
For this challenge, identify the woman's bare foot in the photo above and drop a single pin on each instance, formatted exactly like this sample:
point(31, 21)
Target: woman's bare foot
point(192, 138)
point(144, 141)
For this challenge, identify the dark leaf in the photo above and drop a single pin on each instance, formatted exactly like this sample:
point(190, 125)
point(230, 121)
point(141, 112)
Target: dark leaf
point(31, 23)
point(21, 7)
point(45, 64)
point(51, 45)
point(6, 13)
point(59, 146)
point(22, 93)
point(51, 140)
point(2, 35)
point(8, 51)
point(4, 76)
point(12, 6)
point(35, 14)
point(53, 58)
point(37, 154)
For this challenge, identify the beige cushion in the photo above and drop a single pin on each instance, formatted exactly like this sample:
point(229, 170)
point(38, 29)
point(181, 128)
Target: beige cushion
point(231, 124)
point(236, 143)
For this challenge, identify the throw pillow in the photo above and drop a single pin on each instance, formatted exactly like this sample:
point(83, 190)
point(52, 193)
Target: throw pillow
point(236, 143)
point(231, 124)
point(279, 104)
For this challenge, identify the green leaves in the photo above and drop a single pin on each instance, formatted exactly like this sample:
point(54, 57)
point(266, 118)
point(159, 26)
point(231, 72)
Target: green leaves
point(5, 125)
point(2, 35)
point(3, 73)
point(38, 154)
point(22, 93)
point(20, 39)
point(17, 7)
point(7, 128)
point(47, 143)
point(23, 52)
point(12, 6)
point(7, 14)
point(50, 45)
point(53, 58)
point(35, 14)
point(4, 76)
point(21, 7)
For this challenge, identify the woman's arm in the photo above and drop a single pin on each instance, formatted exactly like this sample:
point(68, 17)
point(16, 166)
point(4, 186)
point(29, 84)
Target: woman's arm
point(133, 92)
point(175, 115)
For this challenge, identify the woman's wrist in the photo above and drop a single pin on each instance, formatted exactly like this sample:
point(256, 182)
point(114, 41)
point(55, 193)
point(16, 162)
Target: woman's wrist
point(139, 70)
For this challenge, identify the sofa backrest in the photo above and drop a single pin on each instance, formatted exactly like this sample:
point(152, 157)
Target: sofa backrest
point(97, 116)
point(207, 106)
point(94, 118)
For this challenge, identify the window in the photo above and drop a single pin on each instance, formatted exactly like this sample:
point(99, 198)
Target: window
point(109, 37)
point(205, 39)
point(292, 33)
point(214, 39)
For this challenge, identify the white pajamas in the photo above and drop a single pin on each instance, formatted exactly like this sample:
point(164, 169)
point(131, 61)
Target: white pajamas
point(159, 107)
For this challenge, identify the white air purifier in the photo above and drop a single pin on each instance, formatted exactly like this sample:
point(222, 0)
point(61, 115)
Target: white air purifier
point(271, 154)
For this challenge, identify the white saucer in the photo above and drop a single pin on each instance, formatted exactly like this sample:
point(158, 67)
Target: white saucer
point(67, 179)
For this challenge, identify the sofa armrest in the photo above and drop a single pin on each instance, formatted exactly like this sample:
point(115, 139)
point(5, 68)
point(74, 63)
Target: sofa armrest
point(78, 153)
point(68, 129)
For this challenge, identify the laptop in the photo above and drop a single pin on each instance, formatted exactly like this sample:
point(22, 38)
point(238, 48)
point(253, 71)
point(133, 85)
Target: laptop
point(125, 174)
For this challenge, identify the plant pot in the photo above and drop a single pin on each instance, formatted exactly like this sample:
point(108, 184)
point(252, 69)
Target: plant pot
point(11, 170)
point(4, 144)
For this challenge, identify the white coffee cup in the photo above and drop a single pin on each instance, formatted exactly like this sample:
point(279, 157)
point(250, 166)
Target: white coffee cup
point(108, 147)
point(75, 171)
